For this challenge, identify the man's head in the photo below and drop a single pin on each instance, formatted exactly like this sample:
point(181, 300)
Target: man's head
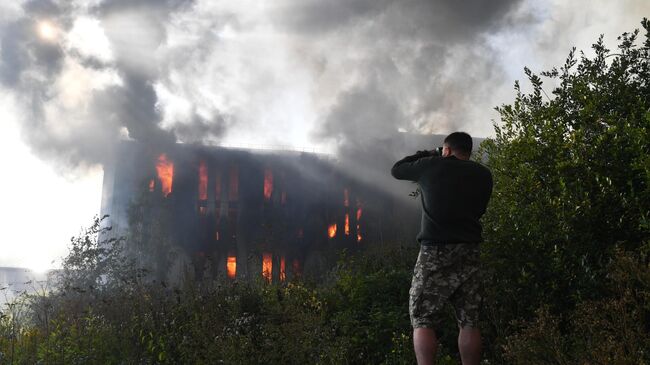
point(458, 144)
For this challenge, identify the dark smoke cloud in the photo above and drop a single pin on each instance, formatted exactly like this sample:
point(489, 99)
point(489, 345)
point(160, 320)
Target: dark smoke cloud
point(13, 56)
point(420, 66)
point(400, 77)
point(442, 19)
point(373, 66)
point(31, 67)
point(22, 49)
point(412, 47)
point(360, 108)
point(133, 105)
point(303, 73)
point(198, 127)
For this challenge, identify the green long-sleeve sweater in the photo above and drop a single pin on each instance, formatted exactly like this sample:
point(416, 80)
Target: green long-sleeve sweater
point(454, 195)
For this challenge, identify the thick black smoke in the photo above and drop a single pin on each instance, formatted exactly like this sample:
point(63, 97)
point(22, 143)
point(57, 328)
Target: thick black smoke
point(302, 73)
point(360, 71)
point(422, 67)
point(447, 20)
point(32, 67)
point(367, 68)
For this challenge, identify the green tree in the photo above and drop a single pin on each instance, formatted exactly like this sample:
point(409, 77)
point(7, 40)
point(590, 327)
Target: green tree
point(572, 174)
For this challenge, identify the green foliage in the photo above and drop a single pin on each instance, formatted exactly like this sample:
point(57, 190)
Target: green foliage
point(367, 306)
point(96, 261)
point(358, 316)
point(611, 330)
point(572, 178)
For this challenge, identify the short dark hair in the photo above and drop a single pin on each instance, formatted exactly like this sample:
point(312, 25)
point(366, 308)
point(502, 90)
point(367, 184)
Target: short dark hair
point(459, 142)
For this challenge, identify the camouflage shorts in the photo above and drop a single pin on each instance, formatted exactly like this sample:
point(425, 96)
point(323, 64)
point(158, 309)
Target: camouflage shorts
point(446, 274)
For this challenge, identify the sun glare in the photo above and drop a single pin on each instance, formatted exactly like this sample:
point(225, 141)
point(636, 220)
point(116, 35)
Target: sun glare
point(47, 30)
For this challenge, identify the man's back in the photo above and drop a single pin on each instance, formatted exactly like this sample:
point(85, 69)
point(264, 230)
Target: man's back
point(454, 196)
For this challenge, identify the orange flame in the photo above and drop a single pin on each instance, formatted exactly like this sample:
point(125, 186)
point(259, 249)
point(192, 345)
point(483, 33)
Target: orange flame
point(346, 198)
point(283, 273)
point(231, 266)
point(165, 169)
point(347, 224)
point(267, 266)
point(203, 181)
point(151, 185)
point(268, 184)
point(331, 231)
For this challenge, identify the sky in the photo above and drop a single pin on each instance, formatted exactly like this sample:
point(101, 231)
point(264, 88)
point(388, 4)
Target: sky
point(333, 76)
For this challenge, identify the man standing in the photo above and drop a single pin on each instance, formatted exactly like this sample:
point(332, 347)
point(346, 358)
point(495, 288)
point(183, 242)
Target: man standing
point(454, 192)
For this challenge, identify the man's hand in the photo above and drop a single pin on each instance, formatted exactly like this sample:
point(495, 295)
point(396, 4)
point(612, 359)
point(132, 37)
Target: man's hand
point(420, 154)
point(416, 156)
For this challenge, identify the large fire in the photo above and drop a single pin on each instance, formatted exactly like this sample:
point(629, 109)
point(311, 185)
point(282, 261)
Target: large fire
point(268, 184)
point(347, 224)
point(165, 169)
point(283, 272)
point(267, 266)
point(331, 231)
point(203, 181)
point(231, 266)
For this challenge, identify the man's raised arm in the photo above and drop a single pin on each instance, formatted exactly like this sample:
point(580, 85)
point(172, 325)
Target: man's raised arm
point(410, 167)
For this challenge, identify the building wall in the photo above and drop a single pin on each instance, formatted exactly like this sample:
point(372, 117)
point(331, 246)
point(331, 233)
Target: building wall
point(218, 208)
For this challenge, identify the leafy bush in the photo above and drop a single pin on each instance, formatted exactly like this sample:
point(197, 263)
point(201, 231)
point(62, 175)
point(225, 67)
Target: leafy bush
point(611, 330)
point(108, 312)
point(572, 178)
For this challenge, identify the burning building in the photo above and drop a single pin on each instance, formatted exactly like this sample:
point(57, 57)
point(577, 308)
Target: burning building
point(237, 213)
